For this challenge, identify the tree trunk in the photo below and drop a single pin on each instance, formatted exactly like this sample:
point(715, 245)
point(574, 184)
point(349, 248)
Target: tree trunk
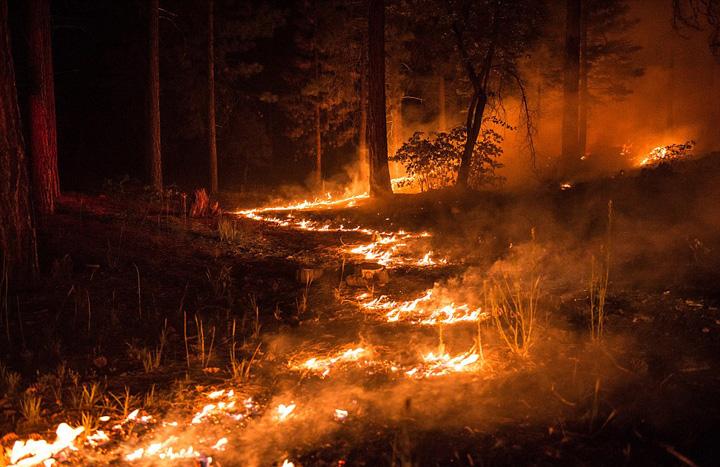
point(377, 127)
point(571, 81)
point(153, 90)
point(363, 171)
point(397, 126)
point(442, 116)
point(41, 99)
point(472, 126)
point(584, 97)
point(211, 127)
point(17, 234)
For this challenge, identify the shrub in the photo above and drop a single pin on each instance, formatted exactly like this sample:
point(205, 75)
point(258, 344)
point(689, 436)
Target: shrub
point(432, 160)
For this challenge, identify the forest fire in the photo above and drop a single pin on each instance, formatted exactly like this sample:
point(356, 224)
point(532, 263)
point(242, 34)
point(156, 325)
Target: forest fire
point(373, 232)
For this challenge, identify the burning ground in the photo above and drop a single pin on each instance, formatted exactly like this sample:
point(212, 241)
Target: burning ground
point(544, 327)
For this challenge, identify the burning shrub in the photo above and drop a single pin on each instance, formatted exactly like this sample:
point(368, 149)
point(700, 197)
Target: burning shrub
point(432, 160)
point(667, 154)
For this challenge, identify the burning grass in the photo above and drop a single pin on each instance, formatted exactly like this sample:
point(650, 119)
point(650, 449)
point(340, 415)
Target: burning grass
point(363, 373)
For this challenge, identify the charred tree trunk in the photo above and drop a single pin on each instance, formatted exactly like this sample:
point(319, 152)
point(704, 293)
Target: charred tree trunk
point(442, 116)
point(377, 126)
point(154, 160)
point(17, 234)
point(472, 126)
point(584, 97)
point(476, 109)
point(42, 133)
point(571, 82)
point(211, 127)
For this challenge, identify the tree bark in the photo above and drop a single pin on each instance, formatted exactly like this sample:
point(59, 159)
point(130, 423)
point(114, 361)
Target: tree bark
point(584, 97)
point(363, 170)
point(476, 109)
point(153, 90)
point(571, 81)
point(42, 131)
point(362, 137)
point(377, 126)
point(442, 116)
point(211, 127)
point(17, 232)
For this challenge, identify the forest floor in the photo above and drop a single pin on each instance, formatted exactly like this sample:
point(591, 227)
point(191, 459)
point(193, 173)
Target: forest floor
point(253, 338)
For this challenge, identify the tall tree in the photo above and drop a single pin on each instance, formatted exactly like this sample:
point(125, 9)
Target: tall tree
point(489, 37)
point(322, 82)
point(154, 160)
point(211, 130)
point(571, 86)
point(42, 130)
point(377, 129)
point(17, 234)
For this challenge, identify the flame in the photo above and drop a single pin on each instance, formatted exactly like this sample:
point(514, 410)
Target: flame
point(422, 310)
point(283, 412)
point(33, 452)
point(322, 365)
point(385, 248)
point(340, 415)
point(442, 363)
point(655, 155)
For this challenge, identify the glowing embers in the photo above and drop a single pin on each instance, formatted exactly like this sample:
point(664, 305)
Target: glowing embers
point(322, 366)
point(284, 411)
point(34, 452)
point(441, 363)
point(224, 404)
point(428, 309)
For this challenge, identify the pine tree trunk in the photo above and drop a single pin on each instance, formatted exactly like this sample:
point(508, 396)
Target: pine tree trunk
point(17, 235)
point(377, 127)
point(153, 90)
point(571, 80)
point(584, 102)
point(397, 126)
point(363, 171)
point(442, 116)
point(42, 134)
point(211, 127)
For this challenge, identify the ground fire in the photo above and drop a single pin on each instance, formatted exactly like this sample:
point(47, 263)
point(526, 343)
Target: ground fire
point(375, 233)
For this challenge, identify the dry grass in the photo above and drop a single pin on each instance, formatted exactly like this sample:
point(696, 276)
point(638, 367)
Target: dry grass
point(228, 230)
point(599, 281)
point(31, 408)
point(514, 308)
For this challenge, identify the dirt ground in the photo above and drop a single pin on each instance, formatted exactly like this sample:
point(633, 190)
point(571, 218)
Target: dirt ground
point(155, 311)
